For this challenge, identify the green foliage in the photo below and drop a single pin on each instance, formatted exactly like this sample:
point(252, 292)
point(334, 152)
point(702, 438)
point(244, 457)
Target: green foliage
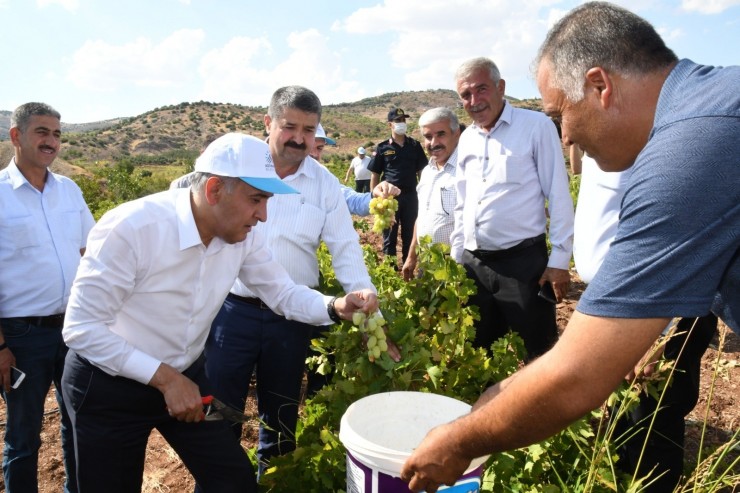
point(575, 186)
point(429, 319)
point(114, 185)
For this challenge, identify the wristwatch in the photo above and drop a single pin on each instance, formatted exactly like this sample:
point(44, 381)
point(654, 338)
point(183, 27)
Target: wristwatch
point(333, 311)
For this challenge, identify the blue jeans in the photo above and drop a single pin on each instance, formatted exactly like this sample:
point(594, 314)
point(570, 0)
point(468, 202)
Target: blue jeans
point(245, 338)
point(39, 352)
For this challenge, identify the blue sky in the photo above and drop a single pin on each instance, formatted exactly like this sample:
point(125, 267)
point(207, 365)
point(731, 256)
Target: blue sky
point(100, 59)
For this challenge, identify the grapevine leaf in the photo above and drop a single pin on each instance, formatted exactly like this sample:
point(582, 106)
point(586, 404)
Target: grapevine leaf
point(434, 373)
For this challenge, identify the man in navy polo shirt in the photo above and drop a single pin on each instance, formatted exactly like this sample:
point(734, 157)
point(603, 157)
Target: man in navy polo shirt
point(399, 161)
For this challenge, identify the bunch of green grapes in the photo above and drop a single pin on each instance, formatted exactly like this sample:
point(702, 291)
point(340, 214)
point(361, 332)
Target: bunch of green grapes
point(383, 210)
point(372, 327)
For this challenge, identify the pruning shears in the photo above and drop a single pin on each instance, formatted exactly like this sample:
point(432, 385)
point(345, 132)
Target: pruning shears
point(215, 410)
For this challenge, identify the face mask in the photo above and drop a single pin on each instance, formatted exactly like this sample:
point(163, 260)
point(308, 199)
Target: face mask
point(400, 128)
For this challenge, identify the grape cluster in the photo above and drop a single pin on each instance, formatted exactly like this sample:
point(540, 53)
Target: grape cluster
point(383, 209)
point(372, 327)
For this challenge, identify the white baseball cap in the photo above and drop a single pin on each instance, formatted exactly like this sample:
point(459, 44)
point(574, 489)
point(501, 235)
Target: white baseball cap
point(242, 156)
point(360, 150)
point(320, 134)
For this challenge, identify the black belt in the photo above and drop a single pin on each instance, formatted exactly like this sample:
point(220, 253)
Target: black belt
point(496, 254)
point(252, 301)
point(47, 322)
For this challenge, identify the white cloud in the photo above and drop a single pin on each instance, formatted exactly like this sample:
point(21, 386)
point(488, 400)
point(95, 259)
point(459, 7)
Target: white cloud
point(4, 4)
point(100, 66)
point(429, 42)
point(244, 70)
point(670, 35)
point(66, 4)
point(708, 6)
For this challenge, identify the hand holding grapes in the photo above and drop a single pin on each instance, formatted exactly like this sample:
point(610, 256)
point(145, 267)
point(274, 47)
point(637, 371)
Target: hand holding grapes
point(384, 212)
point(374, 335)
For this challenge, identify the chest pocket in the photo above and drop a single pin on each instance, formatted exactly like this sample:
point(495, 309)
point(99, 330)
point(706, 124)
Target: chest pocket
point(448, 200)
point(73, 227)
point(509, 170)
point(17, 234)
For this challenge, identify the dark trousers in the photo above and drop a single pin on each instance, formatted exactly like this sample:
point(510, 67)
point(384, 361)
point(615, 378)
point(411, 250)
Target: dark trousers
point(362, 186)
point(664, 448)
point(408, 209)
point(39, 352)
point(507, 283)
point(246, 338)
point(112, 418)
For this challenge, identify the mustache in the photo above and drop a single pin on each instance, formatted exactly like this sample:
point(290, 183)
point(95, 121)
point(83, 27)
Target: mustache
point(295, 145)
point(436, 148)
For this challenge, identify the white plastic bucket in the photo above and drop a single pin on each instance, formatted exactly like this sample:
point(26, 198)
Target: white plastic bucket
point(380, 432)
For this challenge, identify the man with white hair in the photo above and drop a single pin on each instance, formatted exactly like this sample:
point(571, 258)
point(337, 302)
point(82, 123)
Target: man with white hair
point(440, 130)
point(510, 164)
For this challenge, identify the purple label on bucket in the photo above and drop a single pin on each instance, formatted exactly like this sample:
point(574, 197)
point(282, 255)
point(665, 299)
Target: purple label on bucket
point(360, 480)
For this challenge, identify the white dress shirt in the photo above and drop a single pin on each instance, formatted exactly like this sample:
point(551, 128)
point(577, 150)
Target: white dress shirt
point(296, 223)
point(360, 168)
point(41, 234)
point(148, 289)
point(503, 179)
point(436, 191)
point(597, 215)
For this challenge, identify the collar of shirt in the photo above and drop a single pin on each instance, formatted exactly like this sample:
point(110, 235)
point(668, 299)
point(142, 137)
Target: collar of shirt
point(18, 180)
point(449, 165)
point(505, 117)
point(186, 227)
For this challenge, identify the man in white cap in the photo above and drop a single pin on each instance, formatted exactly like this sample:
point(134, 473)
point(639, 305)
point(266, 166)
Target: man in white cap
point(362, 174)
point(321, 141)
point(155, 273)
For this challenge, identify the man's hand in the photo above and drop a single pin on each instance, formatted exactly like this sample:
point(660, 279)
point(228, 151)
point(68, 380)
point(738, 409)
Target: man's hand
point(7, 359)
point(181, 394)
point(409, 266)
point(432, 463)
point(365, 300)
point(385, 190)
point(560, 280)
point(646, 366)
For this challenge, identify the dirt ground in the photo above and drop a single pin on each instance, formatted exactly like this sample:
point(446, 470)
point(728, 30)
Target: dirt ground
point(164, 473)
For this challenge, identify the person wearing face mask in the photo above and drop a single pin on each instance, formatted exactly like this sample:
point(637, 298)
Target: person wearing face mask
point(399, 161)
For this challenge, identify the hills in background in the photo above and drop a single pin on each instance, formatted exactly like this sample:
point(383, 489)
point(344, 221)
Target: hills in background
point(184, 127)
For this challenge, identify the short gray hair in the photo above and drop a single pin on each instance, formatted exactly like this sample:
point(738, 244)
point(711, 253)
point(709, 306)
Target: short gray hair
point(599, 34)
point(475, 64)
point(295, 97)
point(437, 115)
point(198, 183)
point(21, 117)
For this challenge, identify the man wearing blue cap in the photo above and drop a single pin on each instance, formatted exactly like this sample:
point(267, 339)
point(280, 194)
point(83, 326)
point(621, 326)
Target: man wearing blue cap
point(155, 273)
